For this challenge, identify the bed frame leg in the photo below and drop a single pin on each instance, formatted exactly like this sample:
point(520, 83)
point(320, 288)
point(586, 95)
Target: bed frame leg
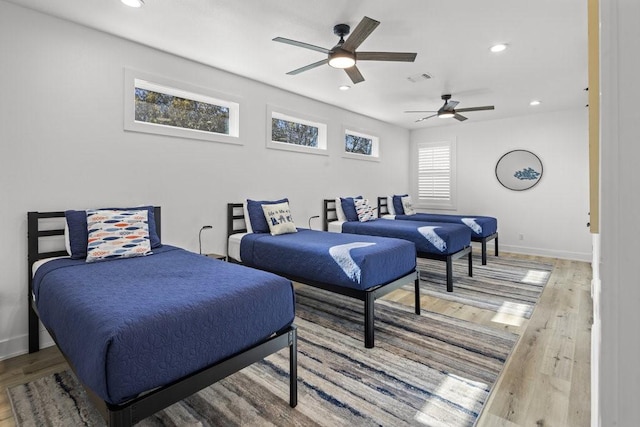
point(368, 320)
point(496, 245)
point(484, 251)
point(471, 263)
point(34, 329)
point(417, 293)
point(293, 368)
point(449, 275)
point(120, 418)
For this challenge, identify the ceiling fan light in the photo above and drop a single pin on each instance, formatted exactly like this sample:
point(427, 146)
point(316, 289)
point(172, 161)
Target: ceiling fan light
point(133, 3)
point(340, 58)
point(338, 61)
point(445, 115)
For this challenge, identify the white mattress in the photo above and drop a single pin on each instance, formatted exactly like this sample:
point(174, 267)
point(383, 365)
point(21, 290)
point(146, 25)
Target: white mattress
point(233, 246)
point(40, 262)
point(335, 226)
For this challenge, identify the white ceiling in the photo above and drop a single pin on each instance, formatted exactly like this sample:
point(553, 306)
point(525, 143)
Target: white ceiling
point(546, 58)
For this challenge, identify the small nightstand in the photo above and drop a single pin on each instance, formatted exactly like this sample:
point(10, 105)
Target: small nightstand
point(217, 256)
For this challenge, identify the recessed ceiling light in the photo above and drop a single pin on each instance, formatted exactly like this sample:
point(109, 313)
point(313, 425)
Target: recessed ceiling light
point(498, 47)
point(534, 102)
point(344, 87)
point(133, 3)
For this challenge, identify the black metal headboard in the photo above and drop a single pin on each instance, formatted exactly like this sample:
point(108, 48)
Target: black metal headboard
point(34, 233)
point(383, 206)
point(235, 217)
point(329, 213)
point(35, 222)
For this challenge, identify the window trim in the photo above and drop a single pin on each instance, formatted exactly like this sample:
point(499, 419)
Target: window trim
point(436, 204)
point(283, 114)
point(134, 78)
point(375, 149)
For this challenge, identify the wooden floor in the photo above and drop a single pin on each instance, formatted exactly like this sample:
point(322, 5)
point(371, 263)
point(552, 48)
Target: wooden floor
point(545, 382)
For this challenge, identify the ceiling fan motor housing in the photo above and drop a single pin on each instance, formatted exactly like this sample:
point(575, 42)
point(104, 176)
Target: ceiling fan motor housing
point(341, 30)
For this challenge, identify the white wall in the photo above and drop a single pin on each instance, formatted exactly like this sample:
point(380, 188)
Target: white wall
point(551, 216)
point(62, 146)
point(620, 207)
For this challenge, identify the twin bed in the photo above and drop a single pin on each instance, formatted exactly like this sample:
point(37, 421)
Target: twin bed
point(483, 228)
point(438, 241)
point(144, 332)
point(361, 267)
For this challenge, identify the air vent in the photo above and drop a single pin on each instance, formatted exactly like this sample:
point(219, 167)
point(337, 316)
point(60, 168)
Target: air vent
point(419, 77)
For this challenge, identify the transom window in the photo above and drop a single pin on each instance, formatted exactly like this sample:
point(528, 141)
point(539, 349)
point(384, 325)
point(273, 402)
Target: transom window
point(292, 132)
point(360, 145)
point(155, 105)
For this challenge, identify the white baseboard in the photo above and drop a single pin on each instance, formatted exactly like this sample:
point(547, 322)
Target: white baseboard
point(574, 256)
point(19, 345)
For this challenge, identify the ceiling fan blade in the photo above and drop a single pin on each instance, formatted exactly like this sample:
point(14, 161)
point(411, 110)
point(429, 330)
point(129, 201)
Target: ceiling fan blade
point(301, 44)
point(449, 105)
point(308, 67)
point(425, 118)
point(486, 107)
point(459, 117)
point(362, 31)
point(354, 74)
point(421, 111)
point(386, 56)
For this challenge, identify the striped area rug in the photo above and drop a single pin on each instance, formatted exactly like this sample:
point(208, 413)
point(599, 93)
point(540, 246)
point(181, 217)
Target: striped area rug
point(427, 370)
point(507, 285)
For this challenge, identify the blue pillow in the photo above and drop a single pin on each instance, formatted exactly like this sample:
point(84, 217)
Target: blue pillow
point(397, 204)
point(349, 208)
point(79, 235)
point(256, 214)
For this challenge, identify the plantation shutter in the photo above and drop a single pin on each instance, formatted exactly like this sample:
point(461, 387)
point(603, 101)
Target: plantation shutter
point(434, 172)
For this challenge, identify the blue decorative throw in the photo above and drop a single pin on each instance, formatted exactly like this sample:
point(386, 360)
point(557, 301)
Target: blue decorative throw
point(480, 226)
point(430, 237)
point(359, 262)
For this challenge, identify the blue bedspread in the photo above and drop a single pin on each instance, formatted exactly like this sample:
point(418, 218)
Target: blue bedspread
point(481, 226)
point(359, 262)
point(435, 238)
point(130, 325)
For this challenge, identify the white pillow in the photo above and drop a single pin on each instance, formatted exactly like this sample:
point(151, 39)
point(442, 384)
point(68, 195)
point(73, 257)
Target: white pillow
point(407, 206)
point(247, 220)
point(363, 209)
point(390, 208)
point(117, 234)
point(67, 239)
point(279, 218)
point(339, 212)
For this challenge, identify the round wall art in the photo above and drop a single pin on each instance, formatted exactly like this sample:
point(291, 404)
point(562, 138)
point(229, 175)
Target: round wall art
point(519, 170)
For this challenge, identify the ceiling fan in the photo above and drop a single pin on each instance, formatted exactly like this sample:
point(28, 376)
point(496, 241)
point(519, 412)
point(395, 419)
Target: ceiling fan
point(343, 55)
point(448, 110)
